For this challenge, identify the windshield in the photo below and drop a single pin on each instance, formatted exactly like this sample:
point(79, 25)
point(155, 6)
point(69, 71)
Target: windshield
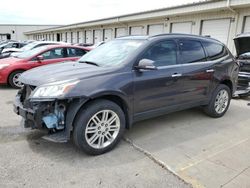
point(31, 53)
point(29, 46)
point(6, 45)
point(112, 53)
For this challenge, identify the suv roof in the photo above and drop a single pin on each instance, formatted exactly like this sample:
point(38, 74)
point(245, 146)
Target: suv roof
point(145, 37)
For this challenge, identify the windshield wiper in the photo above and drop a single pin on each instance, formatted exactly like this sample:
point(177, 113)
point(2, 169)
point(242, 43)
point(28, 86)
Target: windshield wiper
point(89, 62)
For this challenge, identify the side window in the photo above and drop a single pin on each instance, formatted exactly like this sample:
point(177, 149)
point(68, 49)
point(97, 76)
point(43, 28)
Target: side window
point(214, 50)
point(75, 52)
point(15, 45)
point(163, 53)
point(191, 51)
point(10, 45)
point(53, 54)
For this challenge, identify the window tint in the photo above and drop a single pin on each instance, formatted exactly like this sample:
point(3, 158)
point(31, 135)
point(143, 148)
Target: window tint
point(74, 52)
point(53, 54)
point(214, 50)
point(15, 45)
point(191, 51)
point(163, 53)
point(9, 45)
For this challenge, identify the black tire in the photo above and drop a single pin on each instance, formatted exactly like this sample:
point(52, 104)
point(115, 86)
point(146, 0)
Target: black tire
point(84, 116)
point(210, 108)
point(11, 79)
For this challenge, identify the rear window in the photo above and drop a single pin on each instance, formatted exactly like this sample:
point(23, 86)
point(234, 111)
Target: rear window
point(191, 51)
point(214, 50)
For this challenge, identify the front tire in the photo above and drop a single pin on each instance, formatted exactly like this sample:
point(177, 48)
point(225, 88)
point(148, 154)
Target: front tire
point(99, 127)
point(13, 79)
point(219, 102)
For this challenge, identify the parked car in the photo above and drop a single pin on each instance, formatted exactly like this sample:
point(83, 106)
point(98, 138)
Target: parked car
point(242, 45)
point(84, 44)
point(95, 45)
point(11, 45)
point(16, 51)
point(12, 67)
point(124, 81)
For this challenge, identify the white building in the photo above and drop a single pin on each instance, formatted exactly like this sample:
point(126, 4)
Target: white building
point(220, 19)
point(16, 32)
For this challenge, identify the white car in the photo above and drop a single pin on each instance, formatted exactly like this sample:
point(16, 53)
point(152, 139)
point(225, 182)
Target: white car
point(16, 51)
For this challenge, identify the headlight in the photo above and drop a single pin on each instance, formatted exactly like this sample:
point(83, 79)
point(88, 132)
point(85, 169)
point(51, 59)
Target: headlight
point(3, 65)
point(55, 89)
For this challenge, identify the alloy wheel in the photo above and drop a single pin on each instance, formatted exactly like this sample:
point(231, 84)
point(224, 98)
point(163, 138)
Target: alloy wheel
point(221, 101)
point(102, 129)
point(16, 82)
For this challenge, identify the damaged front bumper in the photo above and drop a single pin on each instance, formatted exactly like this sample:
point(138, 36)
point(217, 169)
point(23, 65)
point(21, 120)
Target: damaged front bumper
point(48, 114)
point(51, 114)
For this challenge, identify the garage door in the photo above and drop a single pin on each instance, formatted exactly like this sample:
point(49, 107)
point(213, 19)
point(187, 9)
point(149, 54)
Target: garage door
point(80, 36)
point(69, 37)
point(136, 30)
point(88, 37)
point(155, 29)
point(97, 36)
point(64, 39)
point(183, 27)
point(218, 29)
point(74, 37)
point(107, 34)
point(247, 25)
point(120, 32)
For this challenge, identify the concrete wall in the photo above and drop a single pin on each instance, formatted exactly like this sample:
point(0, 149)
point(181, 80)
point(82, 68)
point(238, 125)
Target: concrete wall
point(17, 31)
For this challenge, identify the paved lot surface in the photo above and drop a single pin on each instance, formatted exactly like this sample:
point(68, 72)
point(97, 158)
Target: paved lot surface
point(203, 151)
point(26, 160)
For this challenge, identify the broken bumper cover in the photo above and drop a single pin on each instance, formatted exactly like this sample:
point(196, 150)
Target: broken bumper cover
point(27, 114)
point(33, 117)
point(45, 113)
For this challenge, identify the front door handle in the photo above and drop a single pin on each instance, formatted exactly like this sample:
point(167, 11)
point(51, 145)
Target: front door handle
point(210, 70)
point(176, 75)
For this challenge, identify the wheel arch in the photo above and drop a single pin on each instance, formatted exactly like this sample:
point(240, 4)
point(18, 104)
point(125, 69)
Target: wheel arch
point(228, 83)
point(11, 72)
point(117, 98)
point(78, 104)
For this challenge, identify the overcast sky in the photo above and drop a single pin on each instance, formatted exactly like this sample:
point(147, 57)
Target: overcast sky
point(72, 11)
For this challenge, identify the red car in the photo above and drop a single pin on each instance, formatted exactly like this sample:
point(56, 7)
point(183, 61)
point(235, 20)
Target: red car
point(12, 67)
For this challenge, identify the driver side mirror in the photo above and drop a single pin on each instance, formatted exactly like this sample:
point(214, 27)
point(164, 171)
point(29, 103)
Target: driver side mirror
point(146, 64)
point(39, 58)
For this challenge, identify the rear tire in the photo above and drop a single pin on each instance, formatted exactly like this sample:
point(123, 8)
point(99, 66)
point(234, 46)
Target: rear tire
point(13, 79)
point(219, 102)
point(98, 127)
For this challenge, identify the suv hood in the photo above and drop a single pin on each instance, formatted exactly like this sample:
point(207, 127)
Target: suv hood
point(242, 43)
point(59, 72)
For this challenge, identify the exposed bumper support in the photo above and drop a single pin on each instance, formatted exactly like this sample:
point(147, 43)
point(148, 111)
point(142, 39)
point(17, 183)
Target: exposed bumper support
point(60, 120)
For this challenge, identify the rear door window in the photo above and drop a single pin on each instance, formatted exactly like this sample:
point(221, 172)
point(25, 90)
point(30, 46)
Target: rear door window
point(214, 50)
point(191, 51)
point(54, 53)
point(75, 52)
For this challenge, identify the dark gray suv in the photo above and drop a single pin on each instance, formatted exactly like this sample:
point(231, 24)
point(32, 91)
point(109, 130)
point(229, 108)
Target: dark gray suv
point(123, 81)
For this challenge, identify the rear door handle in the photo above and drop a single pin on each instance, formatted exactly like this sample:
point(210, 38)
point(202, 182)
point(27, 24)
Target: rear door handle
point(210, 70)
point(176, 75)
